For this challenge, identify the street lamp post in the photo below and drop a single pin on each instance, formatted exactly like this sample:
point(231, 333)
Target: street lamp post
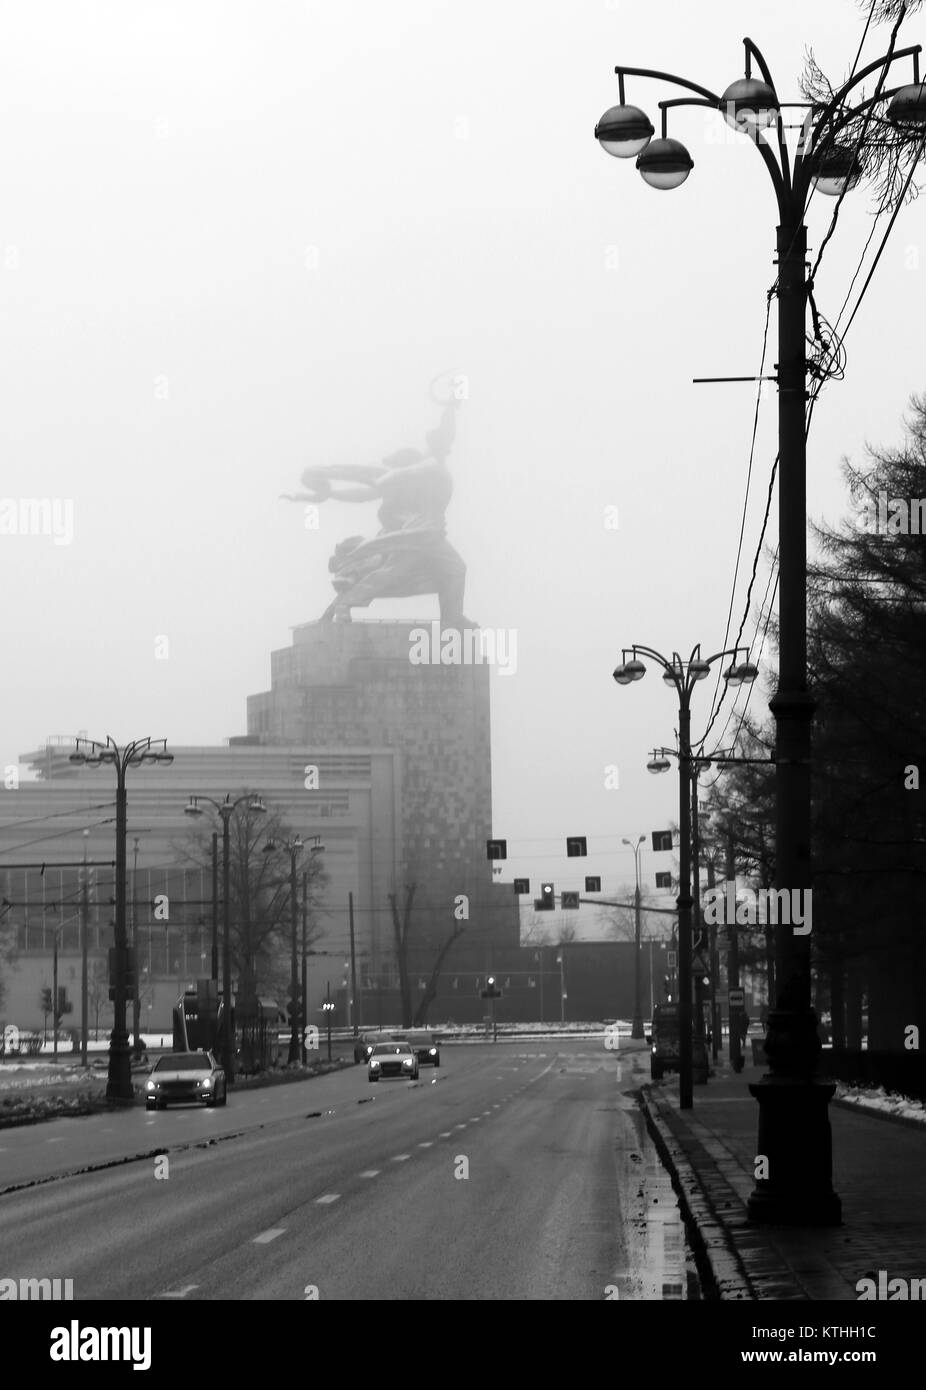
point(683, 676)
point(798, 1189)
point(226, 810)
point(136, 1002)
point(636, 1030)
point(92, 753)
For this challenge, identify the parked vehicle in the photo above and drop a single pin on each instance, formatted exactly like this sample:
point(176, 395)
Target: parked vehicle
point(664, 1049)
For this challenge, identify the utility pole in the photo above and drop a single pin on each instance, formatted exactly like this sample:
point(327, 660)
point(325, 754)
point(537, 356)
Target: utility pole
point(305, 996)
point(700, 1062)
point(215, 909)
point(733, 964)
point(540, 958)
point(356, 1011)
point(136, 999)
point(637, 1027)
point(84, 931)
point(54, 991)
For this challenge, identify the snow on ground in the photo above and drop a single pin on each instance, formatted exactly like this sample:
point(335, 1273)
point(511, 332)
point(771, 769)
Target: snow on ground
point(877, 1099)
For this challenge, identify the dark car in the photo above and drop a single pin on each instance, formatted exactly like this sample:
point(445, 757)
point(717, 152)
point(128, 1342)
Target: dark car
point(424, 1048)
point(664, 1035)
point(392, 1059)
point(185, 1076)
point(363, 1046)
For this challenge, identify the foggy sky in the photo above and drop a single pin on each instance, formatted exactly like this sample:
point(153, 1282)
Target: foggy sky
point(239, 239)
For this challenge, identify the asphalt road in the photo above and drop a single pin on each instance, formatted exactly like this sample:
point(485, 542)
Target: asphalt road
point(515, 1171)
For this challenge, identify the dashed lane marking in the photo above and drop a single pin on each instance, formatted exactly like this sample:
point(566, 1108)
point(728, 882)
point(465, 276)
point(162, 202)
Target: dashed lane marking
point(371, 1173)
point(266, 1237)
point(327, 1199)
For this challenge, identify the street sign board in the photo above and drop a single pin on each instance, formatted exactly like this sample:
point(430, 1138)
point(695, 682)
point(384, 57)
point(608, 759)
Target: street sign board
point(736, 998)
point(671, 959)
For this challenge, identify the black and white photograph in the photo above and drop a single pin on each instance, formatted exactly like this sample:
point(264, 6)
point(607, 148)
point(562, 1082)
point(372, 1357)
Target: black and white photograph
point(463, 555)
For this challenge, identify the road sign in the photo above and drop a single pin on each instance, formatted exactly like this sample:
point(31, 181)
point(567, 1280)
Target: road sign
point(736, 998)
point(671, 959)
point(310, 1038)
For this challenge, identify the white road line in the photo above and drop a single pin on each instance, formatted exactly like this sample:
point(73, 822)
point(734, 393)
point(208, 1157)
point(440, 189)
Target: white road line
point(371, 1173)
point(474, 1119)
point(266, 1237)
point(400, 1158)
point(446, 1134)
point(180, 1293)
point(328, 1198)
point(427, 1144)
point(55, 1141)
point(460, 1126)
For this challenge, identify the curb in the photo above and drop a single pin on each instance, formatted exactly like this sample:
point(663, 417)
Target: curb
point(704, 1196)
point(722, 1273)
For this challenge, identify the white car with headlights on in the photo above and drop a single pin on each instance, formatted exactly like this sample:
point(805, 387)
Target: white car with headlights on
point(193, 1077)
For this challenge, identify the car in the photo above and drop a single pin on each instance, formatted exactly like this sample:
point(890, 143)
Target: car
point(392, 1059)
point(664, 1050)
point(185, 1076)
point(363, 1046)
point(424, 1048)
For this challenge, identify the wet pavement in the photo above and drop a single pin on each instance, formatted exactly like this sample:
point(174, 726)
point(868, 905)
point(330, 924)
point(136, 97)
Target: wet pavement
point(878, 1169)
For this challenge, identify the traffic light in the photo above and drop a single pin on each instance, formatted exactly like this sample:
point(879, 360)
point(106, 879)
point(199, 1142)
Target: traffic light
point(547, 900)
point(491, 990)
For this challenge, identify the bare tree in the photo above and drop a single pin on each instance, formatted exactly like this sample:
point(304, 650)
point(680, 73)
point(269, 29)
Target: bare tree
point(260, 893)
point(401, 926)
point(536, 932)
point(97, 990)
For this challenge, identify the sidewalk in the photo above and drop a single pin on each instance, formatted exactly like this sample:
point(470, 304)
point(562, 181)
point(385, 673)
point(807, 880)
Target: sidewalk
point(878, 1171)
